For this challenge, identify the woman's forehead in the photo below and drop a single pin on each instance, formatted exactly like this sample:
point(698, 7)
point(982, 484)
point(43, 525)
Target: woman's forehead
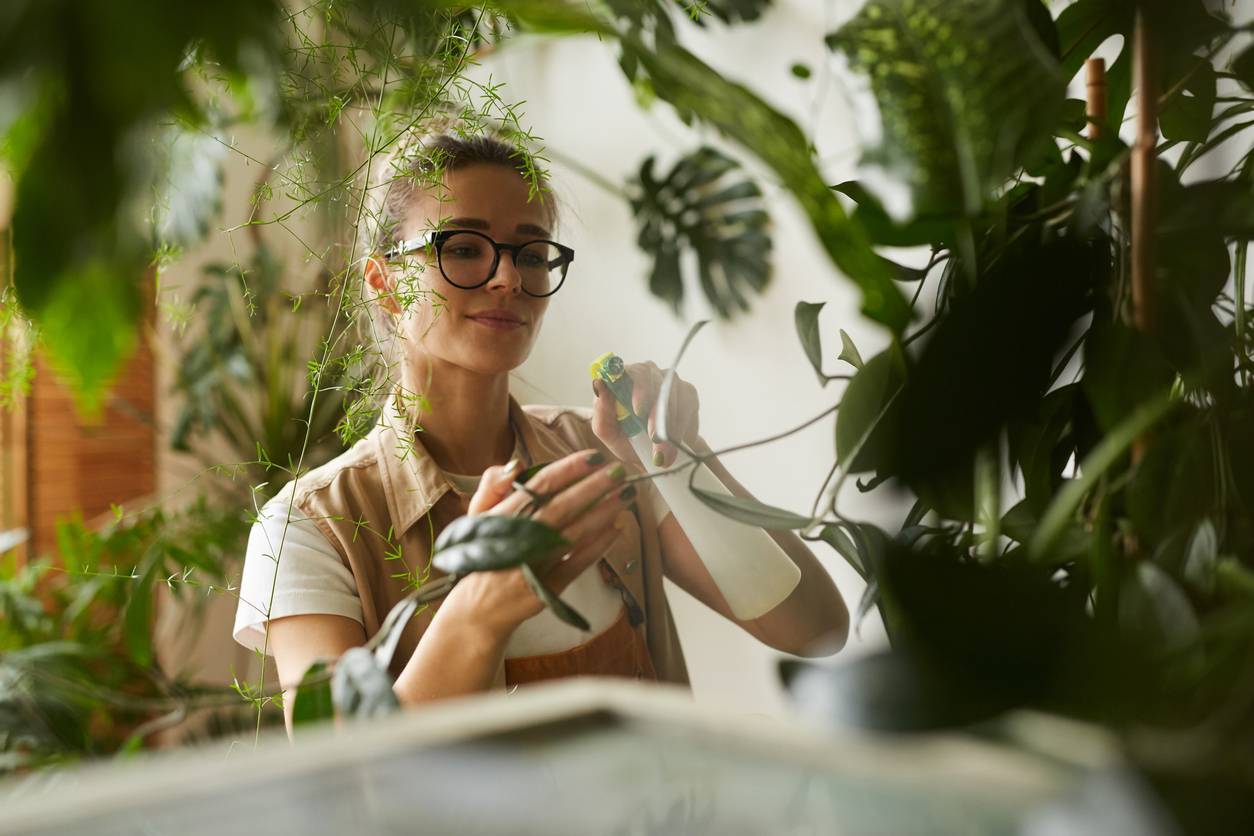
point(490, 198)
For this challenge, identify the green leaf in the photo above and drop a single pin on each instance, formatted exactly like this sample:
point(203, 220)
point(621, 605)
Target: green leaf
point(138, 621)
point(750, 511)
point(704, 206)
point(1202, 557)
point(1086, 24)
point(835, 536)
point(564, 611)
point(1243, 67)
point(957, 110)
point(869, 214)
point(696, 90)
point(862, 423)
point(88, 350)
point(1154, 607)
point(806, 315)
point(728, 11)
point(800, 71)
point(361, 686)
point(849, 351)
point(312, 701)
point(1097, 462)
point(1216, 206)
point(489, 542)
point(1187, 115)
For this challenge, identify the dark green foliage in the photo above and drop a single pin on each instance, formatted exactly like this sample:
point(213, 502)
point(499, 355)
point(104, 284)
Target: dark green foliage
point(702, 206)
point(77, 673)
point(963, 88)
point(245, 373)
point(487, 543)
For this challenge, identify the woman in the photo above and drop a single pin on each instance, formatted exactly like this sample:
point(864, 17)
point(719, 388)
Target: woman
point(462, 274)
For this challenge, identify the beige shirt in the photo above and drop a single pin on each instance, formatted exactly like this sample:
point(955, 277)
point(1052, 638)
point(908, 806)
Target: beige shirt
point(383, 502)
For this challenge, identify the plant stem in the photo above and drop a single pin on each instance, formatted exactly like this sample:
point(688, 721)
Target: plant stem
point(1144, 195)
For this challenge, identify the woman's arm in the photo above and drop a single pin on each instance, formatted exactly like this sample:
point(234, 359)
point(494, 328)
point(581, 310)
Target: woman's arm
point(812, 621)
point(452, 659)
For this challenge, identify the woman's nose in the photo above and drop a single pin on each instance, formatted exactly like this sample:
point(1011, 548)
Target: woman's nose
point(506, 276)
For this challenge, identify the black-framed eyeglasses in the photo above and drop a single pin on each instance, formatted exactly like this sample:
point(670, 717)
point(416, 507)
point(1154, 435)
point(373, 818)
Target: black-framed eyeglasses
point(469, 259)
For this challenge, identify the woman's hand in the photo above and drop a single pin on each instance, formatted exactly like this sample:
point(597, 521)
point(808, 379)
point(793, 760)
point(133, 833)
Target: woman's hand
point(646, 379)
point(587, 507)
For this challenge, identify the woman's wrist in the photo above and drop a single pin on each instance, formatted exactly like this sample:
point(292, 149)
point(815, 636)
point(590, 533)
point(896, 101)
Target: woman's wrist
point(457, 614)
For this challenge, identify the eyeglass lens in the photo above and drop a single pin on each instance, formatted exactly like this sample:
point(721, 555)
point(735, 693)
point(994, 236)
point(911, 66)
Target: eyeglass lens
point(466, 259)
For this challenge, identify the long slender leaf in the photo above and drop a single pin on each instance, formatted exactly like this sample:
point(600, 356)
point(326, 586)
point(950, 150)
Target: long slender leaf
point(1097, 462)
point(560, 608)
point(661, 426)
point(750, 511)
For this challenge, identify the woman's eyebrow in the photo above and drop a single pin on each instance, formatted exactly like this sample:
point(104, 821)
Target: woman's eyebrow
point(532, 229)
point(469, 223)
point(480, 223)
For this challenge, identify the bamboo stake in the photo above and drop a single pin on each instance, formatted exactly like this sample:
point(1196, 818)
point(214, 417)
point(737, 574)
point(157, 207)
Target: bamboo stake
point(1144, 191)
point(1095, 96)
point(1144, 188)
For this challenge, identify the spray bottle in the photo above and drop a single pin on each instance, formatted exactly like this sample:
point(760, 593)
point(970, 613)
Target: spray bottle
point(749, 568)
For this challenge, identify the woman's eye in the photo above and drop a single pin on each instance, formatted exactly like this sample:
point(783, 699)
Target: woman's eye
point(462, 251)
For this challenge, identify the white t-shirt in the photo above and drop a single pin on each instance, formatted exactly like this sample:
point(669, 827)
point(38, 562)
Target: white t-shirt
point(312, 579)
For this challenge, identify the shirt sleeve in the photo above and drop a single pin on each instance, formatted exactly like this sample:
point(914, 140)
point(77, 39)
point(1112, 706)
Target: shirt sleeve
point(307, 577)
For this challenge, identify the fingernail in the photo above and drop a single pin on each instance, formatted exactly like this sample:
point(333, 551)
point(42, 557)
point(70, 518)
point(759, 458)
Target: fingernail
point(617, 471)
point(658, 458)
point(512, 467)
point(595, 458)
point(628, 493)
point(596, 391)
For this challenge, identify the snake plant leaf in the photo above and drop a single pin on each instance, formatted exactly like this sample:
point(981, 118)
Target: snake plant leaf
point(361, 687)
point(488, 543)
point(806, 315)
point(704, 205)
point(312, 701)
point(560, 608)
point(695, 90)
point(964, 87)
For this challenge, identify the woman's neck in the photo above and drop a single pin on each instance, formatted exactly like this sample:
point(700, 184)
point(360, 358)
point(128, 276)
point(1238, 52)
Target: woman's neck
point(464, 416)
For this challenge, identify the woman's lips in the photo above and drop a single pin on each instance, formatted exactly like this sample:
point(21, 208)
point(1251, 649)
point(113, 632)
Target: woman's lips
point(496, 323)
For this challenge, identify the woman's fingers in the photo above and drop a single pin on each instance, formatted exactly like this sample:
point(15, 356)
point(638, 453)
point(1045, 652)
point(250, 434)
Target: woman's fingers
point(496, 484)
point(574, 502)
point(555, 478)
point(585, 553)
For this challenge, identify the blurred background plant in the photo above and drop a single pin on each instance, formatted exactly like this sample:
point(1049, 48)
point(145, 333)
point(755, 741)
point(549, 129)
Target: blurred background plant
point(246, 383)
point(77, 662)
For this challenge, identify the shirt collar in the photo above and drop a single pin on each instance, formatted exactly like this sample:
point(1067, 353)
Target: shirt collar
point(412, 481)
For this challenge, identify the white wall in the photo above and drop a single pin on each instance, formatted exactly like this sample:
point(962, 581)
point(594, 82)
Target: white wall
point(751, 374)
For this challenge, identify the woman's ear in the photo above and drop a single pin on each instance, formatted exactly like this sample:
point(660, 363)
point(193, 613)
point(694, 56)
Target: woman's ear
point(377, 277)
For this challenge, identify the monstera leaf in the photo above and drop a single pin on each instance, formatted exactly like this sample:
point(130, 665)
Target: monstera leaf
point(963, 88)
point(701, 204)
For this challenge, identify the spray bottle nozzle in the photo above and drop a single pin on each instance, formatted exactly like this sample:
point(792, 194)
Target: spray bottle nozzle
point(610, 370)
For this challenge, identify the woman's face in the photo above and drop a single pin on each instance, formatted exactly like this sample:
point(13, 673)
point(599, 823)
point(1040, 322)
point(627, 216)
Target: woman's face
point(489, 329)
